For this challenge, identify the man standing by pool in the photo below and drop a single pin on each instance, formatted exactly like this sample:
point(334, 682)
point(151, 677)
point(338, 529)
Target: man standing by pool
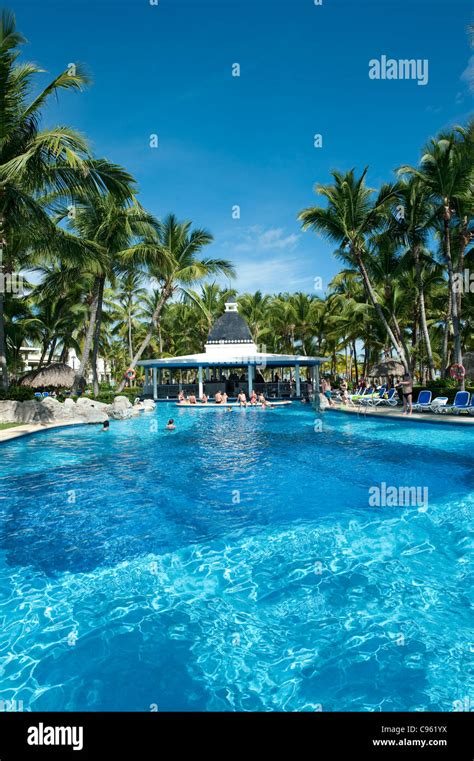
point(407, 391)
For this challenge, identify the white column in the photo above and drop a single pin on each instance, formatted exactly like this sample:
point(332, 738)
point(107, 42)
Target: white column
point(155, 389)
point(297, 380)
point(316, 387)
point(201, 387)
point(250, 378)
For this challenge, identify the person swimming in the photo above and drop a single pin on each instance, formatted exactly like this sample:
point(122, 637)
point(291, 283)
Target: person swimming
point(170, 426)
point(105, 426)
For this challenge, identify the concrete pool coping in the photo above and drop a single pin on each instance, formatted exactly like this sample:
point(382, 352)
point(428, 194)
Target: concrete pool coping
point(27, 429)
point(396, 414)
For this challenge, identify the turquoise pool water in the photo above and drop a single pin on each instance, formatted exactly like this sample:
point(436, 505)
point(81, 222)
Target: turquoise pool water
point(236, 564)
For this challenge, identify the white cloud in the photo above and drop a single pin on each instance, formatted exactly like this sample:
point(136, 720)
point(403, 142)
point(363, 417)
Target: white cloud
point(256, 239)
point(272, 275)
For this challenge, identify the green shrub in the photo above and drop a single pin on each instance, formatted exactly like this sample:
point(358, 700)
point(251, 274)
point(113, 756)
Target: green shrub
point(17, 394)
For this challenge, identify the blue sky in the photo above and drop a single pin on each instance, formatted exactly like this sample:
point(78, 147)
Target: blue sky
point(248, 141)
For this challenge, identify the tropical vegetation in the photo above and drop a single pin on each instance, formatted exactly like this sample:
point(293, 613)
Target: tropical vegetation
point(104, 277)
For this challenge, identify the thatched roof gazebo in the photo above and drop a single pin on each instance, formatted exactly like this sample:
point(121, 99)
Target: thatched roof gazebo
point(57, 375)
point(387, 369)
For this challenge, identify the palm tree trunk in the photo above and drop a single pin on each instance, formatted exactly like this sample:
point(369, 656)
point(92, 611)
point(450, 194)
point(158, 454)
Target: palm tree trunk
point(43, 355)
point(454, 298)
point(79, 378)
point(424, 324)
point(98, 323)
point(130, 344)
point(165, 294)
point(444, 348)
point(3, 342)
point(356, 369)
point(52, 350)
point(373, 298)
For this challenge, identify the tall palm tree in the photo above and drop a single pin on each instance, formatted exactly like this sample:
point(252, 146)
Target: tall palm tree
point(411, 228)
point(109, 226)
point(34, 161)
point(126, 305)
point(173, 261)
point(350, 218)
point(447, 176)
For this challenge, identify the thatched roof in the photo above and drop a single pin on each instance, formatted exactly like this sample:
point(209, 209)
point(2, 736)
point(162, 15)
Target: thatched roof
point(57, 375)
point(386, 368)
point(468, 362)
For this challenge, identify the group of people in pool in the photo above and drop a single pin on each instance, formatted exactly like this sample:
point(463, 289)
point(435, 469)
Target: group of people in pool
point(222, 398)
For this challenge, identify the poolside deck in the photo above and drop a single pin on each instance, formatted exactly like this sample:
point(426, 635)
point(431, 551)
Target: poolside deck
point(29, 428)
point(396, 413)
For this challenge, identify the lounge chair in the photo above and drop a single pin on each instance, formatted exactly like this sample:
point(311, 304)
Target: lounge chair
point(389, 398)
point(366, 393)
point(423, 402)
point(461, 402)
point(438, 403)
point(375, 397)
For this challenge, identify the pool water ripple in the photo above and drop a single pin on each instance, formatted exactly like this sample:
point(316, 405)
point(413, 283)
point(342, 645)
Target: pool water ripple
point(235, 564)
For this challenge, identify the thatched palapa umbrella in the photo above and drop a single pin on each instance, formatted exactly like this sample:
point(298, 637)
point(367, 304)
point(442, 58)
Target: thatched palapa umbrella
point(387, 369)
point(57, 375)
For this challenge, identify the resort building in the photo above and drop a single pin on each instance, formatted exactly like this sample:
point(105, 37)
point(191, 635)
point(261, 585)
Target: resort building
point(33, 356)
point(232, 362)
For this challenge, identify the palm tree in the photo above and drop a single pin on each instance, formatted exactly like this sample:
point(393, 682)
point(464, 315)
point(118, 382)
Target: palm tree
point(411, 228)
point(126, 305)
point(254, 308)
point(109, 226)
point(349, 220)
point(34, 162)
point(173, 261)
point(446, 174)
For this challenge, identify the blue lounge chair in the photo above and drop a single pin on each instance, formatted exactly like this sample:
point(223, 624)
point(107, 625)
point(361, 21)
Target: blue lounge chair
point(375, 397)
point(38, 395)
point(423, 402)
point(461, 402)
point(389, 398)
point(365, 395)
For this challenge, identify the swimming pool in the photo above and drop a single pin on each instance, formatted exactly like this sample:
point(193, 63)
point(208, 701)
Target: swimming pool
point(236, 564)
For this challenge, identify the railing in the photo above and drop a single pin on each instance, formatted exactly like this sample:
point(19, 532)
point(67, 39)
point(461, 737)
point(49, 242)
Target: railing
point(280, 389)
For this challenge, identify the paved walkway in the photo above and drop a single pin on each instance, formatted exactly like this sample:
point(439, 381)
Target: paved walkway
point(26, 430)
point(396, 413)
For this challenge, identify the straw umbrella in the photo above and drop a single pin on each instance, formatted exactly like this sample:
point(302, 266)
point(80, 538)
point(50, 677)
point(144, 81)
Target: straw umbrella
point(57, 375)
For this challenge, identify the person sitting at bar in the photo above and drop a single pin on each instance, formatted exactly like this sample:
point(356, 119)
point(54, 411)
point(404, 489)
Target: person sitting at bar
point(253, 398)
point(218, 398)
point(192, 399)
point(181, 397)
point(224, 398)
point(204, 399)
point(242, 399)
